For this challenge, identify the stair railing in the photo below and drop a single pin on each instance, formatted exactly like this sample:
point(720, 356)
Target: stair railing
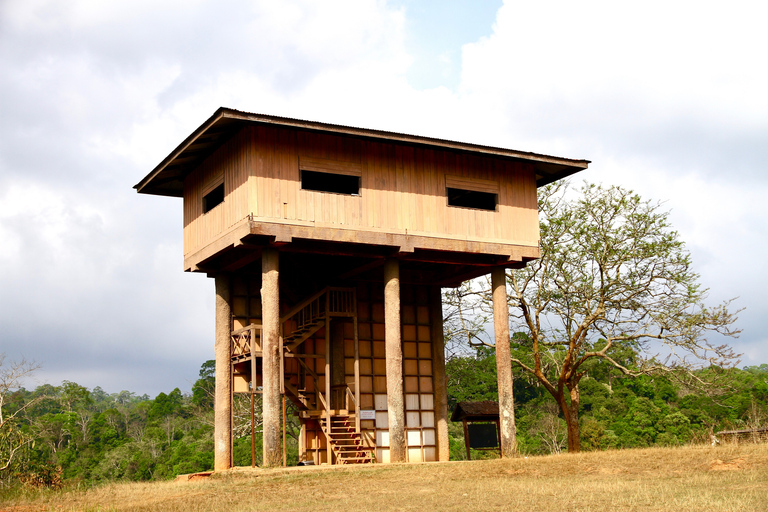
point(331, 301)
point(326, 303)
point(351, 397)
point(243, 341)
point(341, 301)
point(320, 399)
point(306, 312)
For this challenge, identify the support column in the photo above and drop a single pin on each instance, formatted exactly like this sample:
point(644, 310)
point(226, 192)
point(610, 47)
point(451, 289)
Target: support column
point(503, 363)
point(222, 429)
point(394, 358)
point(438, 373)
point(270, 320)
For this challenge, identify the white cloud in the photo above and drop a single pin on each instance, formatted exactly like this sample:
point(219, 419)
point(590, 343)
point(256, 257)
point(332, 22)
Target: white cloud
point(603, 71)
point(667, 99)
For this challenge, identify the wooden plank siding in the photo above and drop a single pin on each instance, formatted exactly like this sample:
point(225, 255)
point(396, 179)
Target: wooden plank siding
point(230, 164)
point(402, 188)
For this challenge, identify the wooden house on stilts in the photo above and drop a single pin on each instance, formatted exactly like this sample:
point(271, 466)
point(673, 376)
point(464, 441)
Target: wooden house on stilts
point(329, 246)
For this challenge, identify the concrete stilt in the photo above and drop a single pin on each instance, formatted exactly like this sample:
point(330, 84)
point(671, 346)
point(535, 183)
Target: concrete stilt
point(223, 396)
point(503, 363)
point(438, 369)
point(394, 358)
point(270, 318)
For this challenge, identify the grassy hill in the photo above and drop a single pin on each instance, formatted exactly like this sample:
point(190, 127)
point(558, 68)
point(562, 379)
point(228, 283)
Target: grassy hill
point(723, 478)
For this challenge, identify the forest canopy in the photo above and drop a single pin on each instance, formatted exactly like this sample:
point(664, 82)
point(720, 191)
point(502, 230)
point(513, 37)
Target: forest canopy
point(91, 436)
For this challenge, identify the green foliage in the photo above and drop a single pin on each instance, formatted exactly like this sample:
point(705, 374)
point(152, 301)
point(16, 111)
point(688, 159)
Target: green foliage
point(472, 379)
point(204, 388)
point(617, 411)
point(84, 436)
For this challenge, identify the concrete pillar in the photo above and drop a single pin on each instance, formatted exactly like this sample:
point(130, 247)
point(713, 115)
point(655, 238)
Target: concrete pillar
point(503, 363)
point(222, 429)
point(438, 373)
point(270, 320)
point(394, 356)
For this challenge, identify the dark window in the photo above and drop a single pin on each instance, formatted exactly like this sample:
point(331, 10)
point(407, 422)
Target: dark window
point(472, 199)
point(213, 198)
point(329, 182)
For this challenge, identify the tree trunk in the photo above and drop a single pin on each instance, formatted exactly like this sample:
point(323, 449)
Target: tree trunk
point(572, 420)
point(570, 412)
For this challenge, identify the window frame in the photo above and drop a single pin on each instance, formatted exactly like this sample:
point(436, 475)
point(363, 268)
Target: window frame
point(209, 190)
point(472, 185)
point(331, 167)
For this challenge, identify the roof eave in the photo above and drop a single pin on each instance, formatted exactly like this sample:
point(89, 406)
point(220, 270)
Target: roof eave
point(141, 187)
point(548, 168)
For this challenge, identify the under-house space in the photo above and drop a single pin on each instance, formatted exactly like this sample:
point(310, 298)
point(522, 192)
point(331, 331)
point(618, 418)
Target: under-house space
point(329, 246)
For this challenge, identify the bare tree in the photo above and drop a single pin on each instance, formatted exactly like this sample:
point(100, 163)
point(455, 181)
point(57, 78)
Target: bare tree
point(613, 279)
point(464, 317)
point(550, 428)
point(12, 437)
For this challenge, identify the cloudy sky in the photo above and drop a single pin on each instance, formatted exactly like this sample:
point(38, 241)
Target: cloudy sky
point(667, 98)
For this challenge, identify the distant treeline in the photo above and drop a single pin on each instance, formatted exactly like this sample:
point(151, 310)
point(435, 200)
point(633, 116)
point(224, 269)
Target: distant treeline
point(91, 436)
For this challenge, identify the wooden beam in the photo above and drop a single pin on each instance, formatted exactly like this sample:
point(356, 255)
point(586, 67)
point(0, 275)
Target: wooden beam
point(400, 242)
point(247, 259)
point(466, 439)
point(362, 268)
point(453, 281)
point(226, 239)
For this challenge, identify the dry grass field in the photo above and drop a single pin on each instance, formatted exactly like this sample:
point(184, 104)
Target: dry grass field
point(725, 478)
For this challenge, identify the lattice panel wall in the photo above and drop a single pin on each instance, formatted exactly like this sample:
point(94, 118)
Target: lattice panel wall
point(417, 370)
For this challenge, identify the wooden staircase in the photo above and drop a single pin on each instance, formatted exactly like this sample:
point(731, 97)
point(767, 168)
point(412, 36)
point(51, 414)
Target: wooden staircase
point(346, 443)
point(336, 410)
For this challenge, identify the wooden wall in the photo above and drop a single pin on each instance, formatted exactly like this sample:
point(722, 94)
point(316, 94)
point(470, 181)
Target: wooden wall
point(403, 188)
point(229, 164)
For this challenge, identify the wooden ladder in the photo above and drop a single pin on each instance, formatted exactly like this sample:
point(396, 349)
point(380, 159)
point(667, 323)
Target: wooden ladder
point(346, 444)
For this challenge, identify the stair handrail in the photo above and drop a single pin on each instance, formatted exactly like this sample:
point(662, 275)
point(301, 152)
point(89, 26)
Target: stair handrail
point(246, 328)
point(301, 305)
point(325, 405)
point(351, 396)
point(318, 393)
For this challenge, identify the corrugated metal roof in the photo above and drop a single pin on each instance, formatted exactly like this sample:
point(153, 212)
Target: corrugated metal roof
point(168, 177)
